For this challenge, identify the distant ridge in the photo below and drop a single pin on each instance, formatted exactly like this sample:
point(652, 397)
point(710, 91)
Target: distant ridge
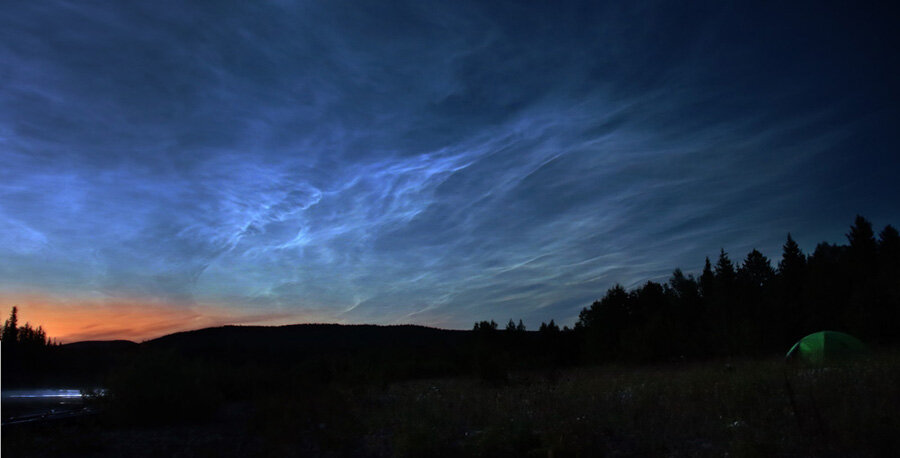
point(319, 350)
point(297, 339)
point(255, 328)
point(100, 344)
point(231, 330)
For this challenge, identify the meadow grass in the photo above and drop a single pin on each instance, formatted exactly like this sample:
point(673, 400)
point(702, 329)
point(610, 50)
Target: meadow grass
point(716, 408)
point(740, 408)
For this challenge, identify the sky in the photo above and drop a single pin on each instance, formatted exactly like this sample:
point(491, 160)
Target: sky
point(174, 165)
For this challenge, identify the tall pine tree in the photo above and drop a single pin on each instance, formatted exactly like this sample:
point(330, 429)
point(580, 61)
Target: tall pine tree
point(791, 277)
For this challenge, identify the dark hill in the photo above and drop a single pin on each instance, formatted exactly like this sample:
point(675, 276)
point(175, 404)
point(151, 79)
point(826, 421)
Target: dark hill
point(86, 362)
point(327, 352)
point(77, 364)
point(100, 346)
point(403, 349)
point(308, 338)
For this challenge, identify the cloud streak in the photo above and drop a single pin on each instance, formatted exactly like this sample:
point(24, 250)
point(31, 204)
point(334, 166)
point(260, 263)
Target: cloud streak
point(436, 165)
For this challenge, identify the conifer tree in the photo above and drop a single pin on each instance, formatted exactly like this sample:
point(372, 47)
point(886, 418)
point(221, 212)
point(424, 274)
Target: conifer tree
point(791, 275)
point(861, 236)
point(10, 333)
point(756, 272)
point(724, 270)
point(889, 247)
point(793, 261)
point(707, 280)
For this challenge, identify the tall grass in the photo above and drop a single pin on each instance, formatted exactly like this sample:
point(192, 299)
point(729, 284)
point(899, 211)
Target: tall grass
point(710, 409)
point(718, 408)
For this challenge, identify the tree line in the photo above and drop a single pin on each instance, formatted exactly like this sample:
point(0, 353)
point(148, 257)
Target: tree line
point(25, 336)
point(750, 308)
point(26, 350)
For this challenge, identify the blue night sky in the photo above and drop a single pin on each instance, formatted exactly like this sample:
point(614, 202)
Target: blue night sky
point(417, 162)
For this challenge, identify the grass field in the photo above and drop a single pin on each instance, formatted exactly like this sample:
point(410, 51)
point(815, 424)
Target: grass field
point(737, 408)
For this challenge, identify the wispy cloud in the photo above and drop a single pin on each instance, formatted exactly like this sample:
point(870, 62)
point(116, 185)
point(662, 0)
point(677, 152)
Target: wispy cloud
point(432, 164)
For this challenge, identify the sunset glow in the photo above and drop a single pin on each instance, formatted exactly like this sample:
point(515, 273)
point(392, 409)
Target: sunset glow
point(136, 319)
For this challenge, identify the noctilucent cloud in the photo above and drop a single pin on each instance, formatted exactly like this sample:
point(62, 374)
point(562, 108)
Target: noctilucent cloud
point(421, 162)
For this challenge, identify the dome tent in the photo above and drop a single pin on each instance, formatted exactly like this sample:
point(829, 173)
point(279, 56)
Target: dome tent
point(825, 346)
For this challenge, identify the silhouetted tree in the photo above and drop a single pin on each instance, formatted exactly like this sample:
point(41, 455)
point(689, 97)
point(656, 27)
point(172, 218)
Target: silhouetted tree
point(724, 271)
point(790, 280)
point(827, 289)
point(490, 361)
point(707, 280)
point(688, 320)
point(756, 272)
point(683, 286)
point(550, 327)
point(603, 322)
point(754, 309)
point(10, 328)
point(485, 326)
point(758, 322)
point(889, 256)
point(861, 237)
point(32, 337)
point(860, 267)
point(649, 332)
point(889, 284)
point(793, 261)
point(721, 306)
point(26, 351)
point(889, 245)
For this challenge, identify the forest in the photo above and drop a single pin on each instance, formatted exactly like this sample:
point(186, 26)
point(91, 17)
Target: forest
point(754, 308)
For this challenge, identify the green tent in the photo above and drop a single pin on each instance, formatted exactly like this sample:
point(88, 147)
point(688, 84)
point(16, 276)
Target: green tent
point(825, 346)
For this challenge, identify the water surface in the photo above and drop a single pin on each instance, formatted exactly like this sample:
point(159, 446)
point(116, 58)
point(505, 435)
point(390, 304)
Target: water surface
point(33, 404)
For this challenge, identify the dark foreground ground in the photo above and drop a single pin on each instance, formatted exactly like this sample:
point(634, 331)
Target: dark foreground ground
point(742, 408)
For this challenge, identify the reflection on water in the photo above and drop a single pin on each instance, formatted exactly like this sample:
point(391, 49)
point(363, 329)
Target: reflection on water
point(26, 405)
point(9, 395)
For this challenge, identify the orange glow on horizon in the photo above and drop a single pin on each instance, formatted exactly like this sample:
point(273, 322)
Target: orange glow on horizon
point(129, 319)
